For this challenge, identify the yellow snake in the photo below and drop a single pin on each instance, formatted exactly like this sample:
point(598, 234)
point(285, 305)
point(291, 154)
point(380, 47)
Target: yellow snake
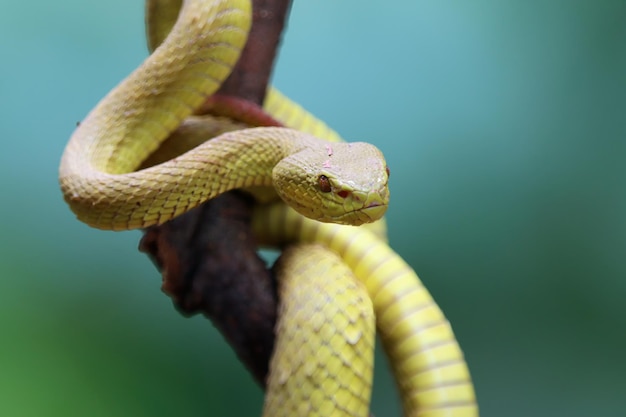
point(99, 183)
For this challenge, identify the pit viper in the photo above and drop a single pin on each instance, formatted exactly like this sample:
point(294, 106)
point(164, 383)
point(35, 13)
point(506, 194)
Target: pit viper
point(339, 183)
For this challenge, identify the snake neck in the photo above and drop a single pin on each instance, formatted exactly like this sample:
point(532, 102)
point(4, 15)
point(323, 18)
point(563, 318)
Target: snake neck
point(122, 201)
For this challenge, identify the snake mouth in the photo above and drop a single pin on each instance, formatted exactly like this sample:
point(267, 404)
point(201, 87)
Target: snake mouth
point(367, 214)
point(374, 204)
point(374, 210)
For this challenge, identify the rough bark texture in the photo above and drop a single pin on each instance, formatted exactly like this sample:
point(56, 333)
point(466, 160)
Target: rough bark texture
point(208, 256)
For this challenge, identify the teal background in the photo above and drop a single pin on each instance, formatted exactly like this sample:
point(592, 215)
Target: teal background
point(504, 124)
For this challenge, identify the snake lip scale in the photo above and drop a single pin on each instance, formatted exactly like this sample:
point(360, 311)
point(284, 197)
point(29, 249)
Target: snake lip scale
point(372, 212)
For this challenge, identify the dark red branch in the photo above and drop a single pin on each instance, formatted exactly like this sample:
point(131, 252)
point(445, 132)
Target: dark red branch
point(208, 256)
point(250, 78)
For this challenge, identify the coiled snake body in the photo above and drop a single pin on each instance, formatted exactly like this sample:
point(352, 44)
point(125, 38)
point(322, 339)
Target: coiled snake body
point(339, 183)
point(344, 183)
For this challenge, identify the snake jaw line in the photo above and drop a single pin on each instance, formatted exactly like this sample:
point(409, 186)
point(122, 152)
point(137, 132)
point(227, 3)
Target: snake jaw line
point(365, 215)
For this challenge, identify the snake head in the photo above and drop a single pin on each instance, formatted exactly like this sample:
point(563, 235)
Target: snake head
point(345, 183)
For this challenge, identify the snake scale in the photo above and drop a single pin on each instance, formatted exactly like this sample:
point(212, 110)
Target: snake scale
point(334, 183)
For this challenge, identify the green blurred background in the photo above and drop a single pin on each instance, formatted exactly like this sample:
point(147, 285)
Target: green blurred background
point(504, 124)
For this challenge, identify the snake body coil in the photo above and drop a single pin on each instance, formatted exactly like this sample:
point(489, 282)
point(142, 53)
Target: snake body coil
point(425, 357)
point(338, 183)
point(290, 160)
point(324, 360)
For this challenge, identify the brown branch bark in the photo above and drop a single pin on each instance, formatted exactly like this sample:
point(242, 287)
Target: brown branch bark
point(208, 256)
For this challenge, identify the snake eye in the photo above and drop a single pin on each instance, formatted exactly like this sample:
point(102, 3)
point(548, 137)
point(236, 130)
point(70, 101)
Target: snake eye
point(388, 173)
point(324, 184)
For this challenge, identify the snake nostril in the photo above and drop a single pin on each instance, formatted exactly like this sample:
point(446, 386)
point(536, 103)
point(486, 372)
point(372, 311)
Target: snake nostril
point(343, 193)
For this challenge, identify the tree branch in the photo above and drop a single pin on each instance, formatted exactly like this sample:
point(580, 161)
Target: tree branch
point(208, 256)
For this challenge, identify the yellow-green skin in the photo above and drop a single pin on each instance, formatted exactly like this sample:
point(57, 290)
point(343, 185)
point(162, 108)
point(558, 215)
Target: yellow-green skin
point(323, 365)
point(425, 357)
point(98, 174)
